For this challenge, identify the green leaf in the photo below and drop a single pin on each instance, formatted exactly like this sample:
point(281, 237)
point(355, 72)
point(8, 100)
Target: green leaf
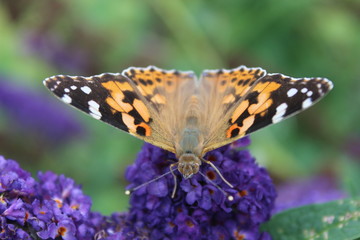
point(338, 220)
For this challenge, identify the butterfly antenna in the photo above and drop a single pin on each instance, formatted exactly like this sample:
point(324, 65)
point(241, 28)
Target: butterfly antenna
point(131, 190)
point(228, 196)
point(218, 172)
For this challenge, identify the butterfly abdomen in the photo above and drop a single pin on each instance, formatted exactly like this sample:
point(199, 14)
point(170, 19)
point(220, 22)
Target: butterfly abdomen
point(190, 134)
point(190, 148)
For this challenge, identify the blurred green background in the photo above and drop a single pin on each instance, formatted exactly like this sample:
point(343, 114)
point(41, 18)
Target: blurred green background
point(304, 38)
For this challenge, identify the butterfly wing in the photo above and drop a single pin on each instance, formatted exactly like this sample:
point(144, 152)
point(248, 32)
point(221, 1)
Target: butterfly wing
point(260, 100)
point(122, 101)
point(169, 92)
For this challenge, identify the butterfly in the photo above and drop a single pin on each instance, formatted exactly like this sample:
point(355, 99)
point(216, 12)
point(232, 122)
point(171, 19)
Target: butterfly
point(177, 112)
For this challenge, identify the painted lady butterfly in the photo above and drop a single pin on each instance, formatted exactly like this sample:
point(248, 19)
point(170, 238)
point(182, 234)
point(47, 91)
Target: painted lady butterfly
point(174, 111)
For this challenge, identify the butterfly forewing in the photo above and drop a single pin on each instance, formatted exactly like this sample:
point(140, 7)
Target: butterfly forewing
point(290, 97)
point(114, 99)
point(271, 99)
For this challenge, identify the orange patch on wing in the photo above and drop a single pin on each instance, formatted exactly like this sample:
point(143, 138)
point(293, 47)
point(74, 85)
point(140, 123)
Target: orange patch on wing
point(241, 90)
point(157, 98)
point(125, 86)
point(116, 101)
point(141, 109)
point(148, 89)
point(146, 127)
point(113, 86)
point(230, 129)
point(114, 106)
point(261, 100)
point(129, 122)
point(272, 87)
point(260, 86)
point(119, 99)
point(239, 110)
point(247, 123)
point(264, 106)
point(228, 99)
point(167, 80)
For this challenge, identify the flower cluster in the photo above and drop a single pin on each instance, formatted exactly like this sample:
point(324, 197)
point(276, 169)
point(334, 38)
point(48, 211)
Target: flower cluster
point(200, 210)
point(52, 207)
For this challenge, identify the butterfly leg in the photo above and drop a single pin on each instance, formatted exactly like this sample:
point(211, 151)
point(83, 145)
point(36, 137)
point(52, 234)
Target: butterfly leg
point(217, 171)
point(175, 180)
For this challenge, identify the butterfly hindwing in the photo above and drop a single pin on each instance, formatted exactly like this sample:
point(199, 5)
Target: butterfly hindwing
point(169, 93)
point(112, 98)
point(229, 86)
point(158, 86)
point(223, 90)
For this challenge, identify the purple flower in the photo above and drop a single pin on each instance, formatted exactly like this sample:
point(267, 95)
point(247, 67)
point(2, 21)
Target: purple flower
point(30, 112)
point(53, 207)
point(200, 210)
point(307, 191)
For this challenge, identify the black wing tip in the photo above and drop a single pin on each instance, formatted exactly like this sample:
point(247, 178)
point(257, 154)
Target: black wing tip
point(51, 82)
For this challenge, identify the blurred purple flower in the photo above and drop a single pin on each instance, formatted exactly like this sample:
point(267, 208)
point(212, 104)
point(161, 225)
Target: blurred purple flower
point(200, 210)
point(34, 113)
point(307, 191)
point(69, 59)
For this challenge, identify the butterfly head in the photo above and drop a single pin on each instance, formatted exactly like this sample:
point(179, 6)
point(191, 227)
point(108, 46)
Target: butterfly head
point(189, 164)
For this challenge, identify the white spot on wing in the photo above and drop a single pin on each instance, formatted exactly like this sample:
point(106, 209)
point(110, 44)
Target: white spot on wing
point(94, 109)
point(306, 103)
point(73, 87)
point(304, 90)
point(66, 98)
point(331, 85)
point(292, 92)
point(280, 112)
point(309, 94)
point(66, 90)
point(86, 89)
point(93, 104)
